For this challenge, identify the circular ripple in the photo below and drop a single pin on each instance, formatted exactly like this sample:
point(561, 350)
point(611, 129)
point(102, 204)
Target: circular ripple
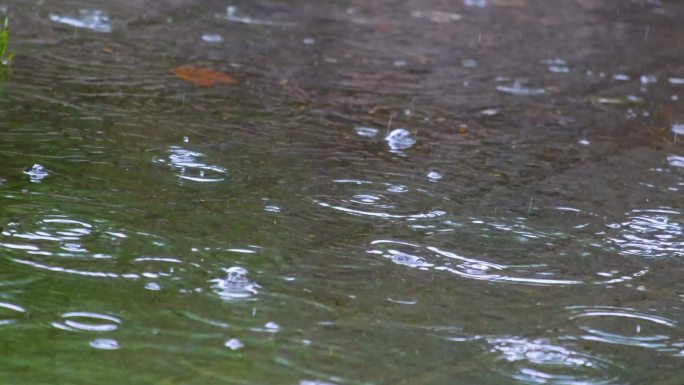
point(87, 322)
point(625, 326)
point(64, 244)
point(188, 166)
point(434, 258)
point(540, 362)
point(378, 200)
point(9, 312)
point(650, 233)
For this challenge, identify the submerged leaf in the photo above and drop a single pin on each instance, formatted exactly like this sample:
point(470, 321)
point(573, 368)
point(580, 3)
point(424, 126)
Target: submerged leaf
point(203, 77)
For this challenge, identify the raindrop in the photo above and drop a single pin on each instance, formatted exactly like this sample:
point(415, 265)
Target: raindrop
point(272, 326)
point(235, 285)
point(434, 176)
point(36, 173)
point(234, 344)
point(400, 139)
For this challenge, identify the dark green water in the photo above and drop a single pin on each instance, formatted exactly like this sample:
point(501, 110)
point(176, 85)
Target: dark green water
point(530, 230)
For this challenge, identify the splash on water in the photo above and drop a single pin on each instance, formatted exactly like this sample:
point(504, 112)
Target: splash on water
point(235, 285)
point(400, 139)
point(36, 173)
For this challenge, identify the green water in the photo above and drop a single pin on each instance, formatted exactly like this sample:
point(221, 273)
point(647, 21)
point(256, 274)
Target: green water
point(530, 229)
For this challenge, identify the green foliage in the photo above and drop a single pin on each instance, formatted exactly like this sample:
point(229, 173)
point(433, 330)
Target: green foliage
point(5, 56)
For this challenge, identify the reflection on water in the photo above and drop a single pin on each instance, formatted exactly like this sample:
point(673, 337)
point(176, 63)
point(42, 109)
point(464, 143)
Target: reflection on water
point(419, 192)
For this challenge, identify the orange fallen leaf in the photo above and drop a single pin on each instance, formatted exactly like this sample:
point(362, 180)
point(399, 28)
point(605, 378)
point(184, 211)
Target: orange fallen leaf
point(203, 77)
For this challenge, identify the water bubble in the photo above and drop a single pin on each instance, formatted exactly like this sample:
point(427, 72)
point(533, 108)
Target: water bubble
point(368, 132)
point(104, 344)
point(400, 139)
point(94, 20)
point(212, 38)
point(36, 173)
point(234, 344)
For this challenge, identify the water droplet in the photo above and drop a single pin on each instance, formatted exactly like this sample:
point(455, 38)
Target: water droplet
point(234, 344)
point(104, 344)
point(400, 139)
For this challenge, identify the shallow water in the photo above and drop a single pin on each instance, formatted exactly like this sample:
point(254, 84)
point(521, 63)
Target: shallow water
point(416, 192)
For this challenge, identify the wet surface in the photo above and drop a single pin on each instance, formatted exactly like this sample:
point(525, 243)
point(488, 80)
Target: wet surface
point(378, 192)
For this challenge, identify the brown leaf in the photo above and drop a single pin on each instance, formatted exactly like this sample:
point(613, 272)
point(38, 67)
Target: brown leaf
point(203, 77)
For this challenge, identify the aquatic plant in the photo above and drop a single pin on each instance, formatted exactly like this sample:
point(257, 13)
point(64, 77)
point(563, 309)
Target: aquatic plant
point(5, 56)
